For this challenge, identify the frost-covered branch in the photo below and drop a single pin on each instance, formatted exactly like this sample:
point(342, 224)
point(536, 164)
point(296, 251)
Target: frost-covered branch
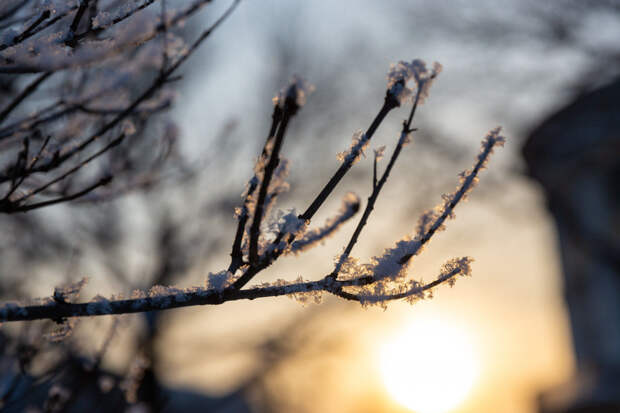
point(390, 102)
point(390, 267)
point(167, 298)
point(398, 78)
point(412, 290)
point(261, 237)
point(468, 180)
point(284, 240)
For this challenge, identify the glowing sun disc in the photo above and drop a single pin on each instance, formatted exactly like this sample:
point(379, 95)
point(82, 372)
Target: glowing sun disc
point(430, 367)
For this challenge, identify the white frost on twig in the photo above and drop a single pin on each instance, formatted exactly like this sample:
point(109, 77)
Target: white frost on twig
point(461, 265)
point(402, 73)
point(289, 222)
point(283, 223)
point(298, 290)
point(389, 269)
point(359, 143)
point(388, 265)
point(219, 280)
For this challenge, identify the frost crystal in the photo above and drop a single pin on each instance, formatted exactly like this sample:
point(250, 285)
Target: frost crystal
point(388, 270)
point(351, 268)
point(70, 291)
point(219, 280)
point(358, 145)
point(284, 223)
point(401, 73)
point(390, 265)
point(289, 222)
point(380, 293)
point(460, 266)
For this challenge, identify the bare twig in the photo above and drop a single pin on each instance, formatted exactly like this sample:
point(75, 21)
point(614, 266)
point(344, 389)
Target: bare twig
point(12, 208)
point(290, 108)
point(115, 142)
point(31, 88)
point(244, 215)
point(28, 30)
point(389, 103)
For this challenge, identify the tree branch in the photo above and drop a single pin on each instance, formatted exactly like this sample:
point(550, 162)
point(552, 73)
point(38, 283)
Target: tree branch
point(389, 103)
point(59, 311)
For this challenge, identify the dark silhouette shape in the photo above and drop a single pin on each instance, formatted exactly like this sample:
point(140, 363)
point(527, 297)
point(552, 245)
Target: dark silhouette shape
point(575, 155)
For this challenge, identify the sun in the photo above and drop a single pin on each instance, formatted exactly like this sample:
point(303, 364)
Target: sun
point(430, 367)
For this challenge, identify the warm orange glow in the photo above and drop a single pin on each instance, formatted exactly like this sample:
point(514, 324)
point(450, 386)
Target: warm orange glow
point(430, 367)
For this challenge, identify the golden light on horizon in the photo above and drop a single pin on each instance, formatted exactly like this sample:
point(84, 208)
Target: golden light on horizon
point(430, 367)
